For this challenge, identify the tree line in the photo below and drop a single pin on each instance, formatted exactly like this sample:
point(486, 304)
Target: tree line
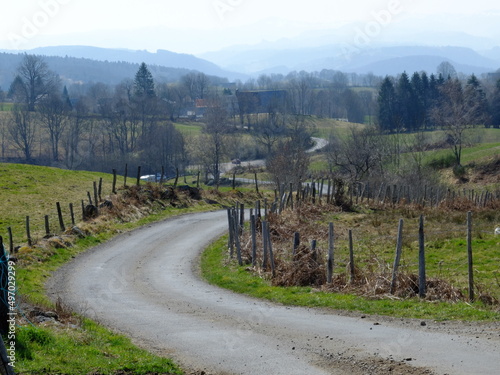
point(423, 102)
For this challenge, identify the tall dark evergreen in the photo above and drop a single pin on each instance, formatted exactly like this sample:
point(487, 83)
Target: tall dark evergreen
point(387, 111)
point(419, 105)
point(426, 100)
point(434, 97)
point(144, 86)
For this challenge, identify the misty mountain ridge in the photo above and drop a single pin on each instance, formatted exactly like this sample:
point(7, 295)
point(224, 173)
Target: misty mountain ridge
point(380, 60)
point(82, 70)
point(161, 58)
point(472, 49)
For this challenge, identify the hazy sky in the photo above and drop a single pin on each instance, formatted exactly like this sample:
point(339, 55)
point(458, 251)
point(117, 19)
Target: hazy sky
point(201, 25)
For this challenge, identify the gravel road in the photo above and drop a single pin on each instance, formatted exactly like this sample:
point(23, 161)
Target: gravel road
point(145, 284)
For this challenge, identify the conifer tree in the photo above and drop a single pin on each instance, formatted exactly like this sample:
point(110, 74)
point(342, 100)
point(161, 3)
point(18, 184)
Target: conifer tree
point(144, 86)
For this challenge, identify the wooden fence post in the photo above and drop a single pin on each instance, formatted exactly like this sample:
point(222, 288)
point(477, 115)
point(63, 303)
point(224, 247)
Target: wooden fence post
point(242, 218)
point(96, 195)
point(296, 242)
point(237, 238)
point(253, 230)
point(176, 177)
point(11, 240)
point(89, 197)
point(198, 180)
point(330, 254)
point(59, 214)
point(125, 176)
point(99, 191)
point(469, 256)
point(352, 273)
point(113, 189)
point(314, 243)
point(28, 232)
point(138, 181)
point(47, 226)
point(231, 234)
point(422, 282)
point(399, 247)
point(264, 244)
point(72, 213)
point(270, 245)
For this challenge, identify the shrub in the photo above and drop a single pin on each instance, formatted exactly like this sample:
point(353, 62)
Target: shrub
point(442, 162)
point(459, 171)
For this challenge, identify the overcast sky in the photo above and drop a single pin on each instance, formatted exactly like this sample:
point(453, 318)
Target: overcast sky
point(194, 26)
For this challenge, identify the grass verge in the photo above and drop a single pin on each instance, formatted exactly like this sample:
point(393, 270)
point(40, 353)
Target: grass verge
point(89, 349)
point(217, 270)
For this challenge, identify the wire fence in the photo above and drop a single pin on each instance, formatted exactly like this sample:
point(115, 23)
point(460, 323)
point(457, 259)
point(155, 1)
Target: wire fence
point(464, 254)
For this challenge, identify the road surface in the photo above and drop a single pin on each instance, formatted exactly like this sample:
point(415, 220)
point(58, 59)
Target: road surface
point(319, 143)
point(145, 284)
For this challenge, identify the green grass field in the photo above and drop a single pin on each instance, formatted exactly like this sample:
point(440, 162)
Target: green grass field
point(5, 107)
point(33, 191)
point(188, 129)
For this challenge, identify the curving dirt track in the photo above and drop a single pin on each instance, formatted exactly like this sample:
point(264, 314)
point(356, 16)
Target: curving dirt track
point(145, 284)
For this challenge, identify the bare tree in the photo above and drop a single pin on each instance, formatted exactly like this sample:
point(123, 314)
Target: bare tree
point(22, 130)
point(37, 79)
point(300, 88)
point(288, 164)
point(455, 114)
point(217, 128)
point(53, 115)
point(447, 70)
point(202, 84)
point(269, 130)
point(357, 156)
point(76, 123)
point(197, 85)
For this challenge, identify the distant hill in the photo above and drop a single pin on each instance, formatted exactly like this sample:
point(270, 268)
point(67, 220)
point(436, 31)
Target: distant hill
point(109, 66)
point(380, 60)
point(161, 58)
point(80, 70)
